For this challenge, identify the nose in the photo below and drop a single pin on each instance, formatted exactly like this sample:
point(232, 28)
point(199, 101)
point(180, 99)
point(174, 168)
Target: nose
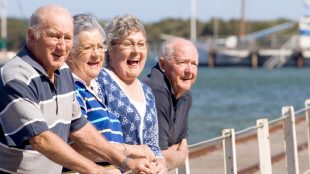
point(61, 43)
point(188, 70)
point(188, 67)
point(135, 48)
point(96, 52)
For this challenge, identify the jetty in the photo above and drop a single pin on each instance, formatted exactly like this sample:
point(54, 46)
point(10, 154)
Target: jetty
point(271, 52)
point(278, 146)
point(260, 49)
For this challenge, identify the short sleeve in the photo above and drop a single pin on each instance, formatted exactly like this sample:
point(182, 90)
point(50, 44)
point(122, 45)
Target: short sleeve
point(20, 117)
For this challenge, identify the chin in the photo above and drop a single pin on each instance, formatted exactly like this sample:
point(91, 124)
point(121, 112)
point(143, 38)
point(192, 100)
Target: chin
point(185, 87)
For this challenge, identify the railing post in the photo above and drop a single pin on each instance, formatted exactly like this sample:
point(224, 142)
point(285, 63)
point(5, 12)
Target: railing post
point(264, 146)
point(183, 169)
point(307, 106)
point(229, 147)
point(290, 140)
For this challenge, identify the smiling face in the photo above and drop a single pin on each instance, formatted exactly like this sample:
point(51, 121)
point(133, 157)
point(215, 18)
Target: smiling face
point(181, 66)
point(87, 58)
point(53, 45)
point(128, 56)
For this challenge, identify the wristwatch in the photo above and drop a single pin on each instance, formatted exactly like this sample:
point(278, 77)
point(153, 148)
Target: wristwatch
point(124, 164)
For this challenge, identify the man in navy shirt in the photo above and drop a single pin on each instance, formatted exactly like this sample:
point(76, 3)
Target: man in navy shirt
point(171, 80)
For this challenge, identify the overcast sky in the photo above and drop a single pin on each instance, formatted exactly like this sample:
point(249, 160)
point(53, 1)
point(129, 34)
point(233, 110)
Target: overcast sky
point(155, 10)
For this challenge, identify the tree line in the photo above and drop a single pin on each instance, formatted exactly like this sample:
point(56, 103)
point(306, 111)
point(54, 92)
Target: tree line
point(17, 29)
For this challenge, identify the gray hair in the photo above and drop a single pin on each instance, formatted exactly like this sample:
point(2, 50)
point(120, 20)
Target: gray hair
point(166, 48)
point(85, 22)
point(37, 17)
point(123, 26)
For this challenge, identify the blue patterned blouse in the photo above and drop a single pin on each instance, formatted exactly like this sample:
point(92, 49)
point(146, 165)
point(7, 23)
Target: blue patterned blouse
point(117, 101)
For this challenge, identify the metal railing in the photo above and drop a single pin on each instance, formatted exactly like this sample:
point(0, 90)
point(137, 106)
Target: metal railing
point(228, 142)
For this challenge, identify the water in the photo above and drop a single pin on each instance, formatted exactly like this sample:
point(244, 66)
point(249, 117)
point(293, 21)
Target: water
point(237, 97)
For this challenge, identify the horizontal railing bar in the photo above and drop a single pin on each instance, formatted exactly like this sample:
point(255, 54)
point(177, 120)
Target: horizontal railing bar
point(246, 130)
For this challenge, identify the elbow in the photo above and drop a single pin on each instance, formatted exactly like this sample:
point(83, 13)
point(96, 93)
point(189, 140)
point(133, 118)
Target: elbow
point(38, 142)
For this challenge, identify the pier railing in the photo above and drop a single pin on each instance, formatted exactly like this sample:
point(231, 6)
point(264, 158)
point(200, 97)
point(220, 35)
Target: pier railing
point(261, 131)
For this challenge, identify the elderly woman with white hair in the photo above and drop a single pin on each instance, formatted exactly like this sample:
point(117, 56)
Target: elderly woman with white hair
point(85, 61)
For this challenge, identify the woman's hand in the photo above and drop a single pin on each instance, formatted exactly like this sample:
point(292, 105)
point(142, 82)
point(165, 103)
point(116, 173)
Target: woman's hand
point(140, 151)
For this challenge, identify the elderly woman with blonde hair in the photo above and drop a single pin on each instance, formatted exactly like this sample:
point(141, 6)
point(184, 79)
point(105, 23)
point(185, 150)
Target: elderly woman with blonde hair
point(125, 95)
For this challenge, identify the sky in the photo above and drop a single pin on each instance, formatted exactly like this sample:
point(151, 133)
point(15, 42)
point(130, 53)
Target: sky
point(154, 10)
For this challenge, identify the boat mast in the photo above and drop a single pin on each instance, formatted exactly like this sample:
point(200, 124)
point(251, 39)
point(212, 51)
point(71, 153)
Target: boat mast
point(242, 22)
point(193, 20)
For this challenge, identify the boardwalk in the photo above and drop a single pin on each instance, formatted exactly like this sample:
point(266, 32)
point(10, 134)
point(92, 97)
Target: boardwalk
point(210, 160)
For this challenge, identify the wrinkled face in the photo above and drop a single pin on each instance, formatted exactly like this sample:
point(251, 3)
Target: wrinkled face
point(53, 46)
point(181, 67)
point(88, 56)
point(128, 56)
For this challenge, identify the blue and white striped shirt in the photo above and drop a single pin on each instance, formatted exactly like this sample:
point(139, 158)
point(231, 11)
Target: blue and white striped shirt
point(97, 113)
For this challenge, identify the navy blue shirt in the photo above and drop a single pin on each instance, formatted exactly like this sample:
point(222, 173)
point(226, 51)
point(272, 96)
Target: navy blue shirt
point(172, 112)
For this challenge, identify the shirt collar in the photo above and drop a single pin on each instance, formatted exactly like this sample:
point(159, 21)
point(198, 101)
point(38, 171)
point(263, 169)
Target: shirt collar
point(93, 88)
point(28, 57)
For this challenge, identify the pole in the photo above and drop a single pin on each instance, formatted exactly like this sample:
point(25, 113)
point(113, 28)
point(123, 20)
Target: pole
point(215, 22)
point(4, 23)
point(242, 23)
point(193, 20)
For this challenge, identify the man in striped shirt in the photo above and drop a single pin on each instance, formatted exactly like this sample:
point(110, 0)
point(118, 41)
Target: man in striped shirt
point(39, 111)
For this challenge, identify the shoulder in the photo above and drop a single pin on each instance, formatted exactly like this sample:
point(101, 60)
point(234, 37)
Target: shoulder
point(187, 97)
point(17, 69)
point(154, 78)
point(147, 89)
point(65, 72)
point(103, 73)
point(103, 77)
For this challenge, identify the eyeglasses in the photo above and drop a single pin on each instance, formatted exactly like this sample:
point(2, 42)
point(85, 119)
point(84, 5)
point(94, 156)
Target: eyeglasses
point(129, 45)
point(91, 48)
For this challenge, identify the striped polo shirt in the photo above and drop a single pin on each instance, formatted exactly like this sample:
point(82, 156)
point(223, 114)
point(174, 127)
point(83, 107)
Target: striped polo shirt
point(97, 112)
point(31, 104)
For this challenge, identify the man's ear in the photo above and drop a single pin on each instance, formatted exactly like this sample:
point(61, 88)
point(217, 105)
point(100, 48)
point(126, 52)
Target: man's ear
point(31, 36)
point(161, 62)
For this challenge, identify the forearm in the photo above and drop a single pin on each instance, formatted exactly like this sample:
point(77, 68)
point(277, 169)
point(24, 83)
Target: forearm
point(89, 139)
point(58, 151)
point(176, 154)
point(86, 153)
point(133, 151)
point(174, 158)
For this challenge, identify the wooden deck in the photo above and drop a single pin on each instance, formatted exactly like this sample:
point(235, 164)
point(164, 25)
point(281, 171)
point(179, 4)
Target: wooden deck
point(209, 159)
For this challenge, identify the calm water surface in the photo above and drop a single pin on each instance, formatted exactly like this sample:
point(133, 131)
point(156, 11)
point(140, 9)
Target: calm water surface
point(237, 97)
